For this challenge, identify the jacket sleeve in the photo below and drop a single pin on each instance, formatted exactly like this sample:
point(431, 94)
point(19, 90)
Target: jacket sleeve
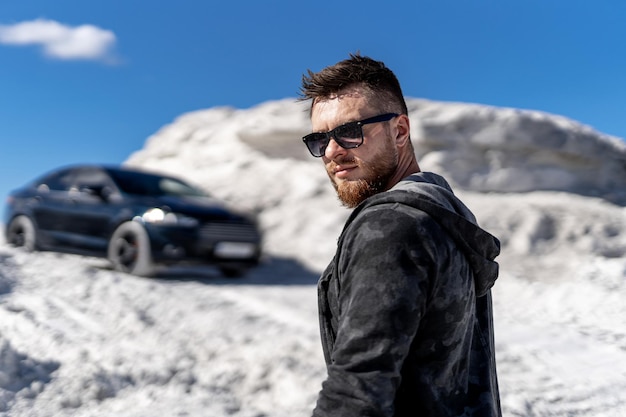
point(385, 264)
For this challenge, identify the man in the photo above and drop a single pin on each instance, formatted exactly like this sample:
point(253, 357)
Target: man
point(405, 305)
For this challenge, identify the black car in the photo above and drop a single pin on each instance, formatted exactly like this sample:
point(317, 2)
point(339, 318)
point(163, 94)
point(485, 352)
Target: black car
point(134, 218)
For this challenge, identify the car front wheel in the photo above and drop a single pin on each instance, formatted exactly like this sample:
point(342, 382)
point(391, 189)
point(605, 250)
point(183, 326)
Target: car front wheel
point(21, 232)
point(129, 250)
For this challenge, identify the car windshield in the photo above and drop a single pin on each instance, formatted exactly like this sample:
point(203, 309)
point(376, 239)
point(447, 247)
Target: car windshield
point(152, 185)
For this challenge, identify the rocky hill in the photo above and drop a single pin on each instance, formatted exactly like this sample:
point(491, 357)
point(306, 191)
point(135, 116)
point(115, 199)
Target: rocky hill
point(547, 186)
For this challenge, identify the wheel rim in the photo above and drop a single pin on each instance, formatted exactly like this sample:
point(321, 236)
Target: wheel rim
point(126, 251)
point(20, 234)
point(17, 237)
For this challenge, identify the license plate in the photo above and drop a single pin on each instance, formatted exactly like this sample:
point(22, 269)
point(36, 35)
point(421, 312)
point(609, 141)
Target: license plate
point(238, 250)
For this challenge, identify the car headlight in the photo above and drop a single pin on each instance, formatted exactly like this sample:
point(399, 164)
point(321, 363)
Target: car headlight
point(159, 216)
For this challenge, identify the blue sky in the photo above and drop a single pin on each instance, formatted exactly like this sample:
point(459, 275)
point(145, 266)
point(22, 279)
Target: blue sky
point(90, 81)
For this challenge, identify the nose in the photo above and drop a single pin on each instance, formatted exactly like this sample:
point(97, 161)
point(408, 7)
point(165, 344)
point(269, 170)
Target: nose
point(333, 149)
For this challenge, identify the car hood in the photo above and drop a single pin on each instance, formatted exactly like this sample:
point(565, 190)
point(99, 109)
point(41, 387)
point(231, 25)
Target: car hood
point(197, 206)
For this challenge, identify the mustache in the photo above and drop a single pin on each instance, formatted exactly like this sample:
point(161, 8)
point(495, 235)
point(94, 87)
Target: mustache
point(343, 161)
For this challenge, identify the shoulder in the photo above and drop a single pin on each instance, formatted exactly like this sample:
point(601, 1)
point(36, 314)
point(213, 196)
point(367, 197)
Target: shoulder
point(391, 219)
point(393, 241)
point(392, 231)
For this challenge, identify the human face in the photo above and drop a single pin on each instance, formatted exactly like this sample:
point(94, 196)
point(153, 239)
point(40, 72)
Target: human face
point(361, 172)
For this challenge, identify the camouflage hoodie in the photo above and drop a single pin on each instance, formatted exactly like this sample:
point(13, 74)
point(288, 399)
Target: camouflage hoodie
point(405, 308)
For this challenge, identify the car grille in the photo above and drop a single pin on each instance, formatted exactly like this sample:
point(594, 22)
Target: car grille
point(232, 232)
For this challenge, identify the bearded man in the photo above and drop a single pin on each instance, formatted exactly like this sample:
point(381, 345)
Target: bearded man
point(405, 305)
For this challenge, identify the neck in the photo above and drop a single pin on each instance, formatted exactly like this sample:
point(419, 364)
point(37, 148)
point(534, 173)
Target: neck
point(406, 166)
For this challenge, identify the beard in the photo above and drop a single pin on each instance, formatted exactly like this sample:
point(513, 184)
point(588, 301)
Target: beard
point(376, 176)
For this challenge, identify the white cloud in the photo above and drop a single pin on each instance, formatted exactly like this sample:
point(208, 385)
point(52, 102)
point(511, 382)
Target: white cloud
point(61, 41)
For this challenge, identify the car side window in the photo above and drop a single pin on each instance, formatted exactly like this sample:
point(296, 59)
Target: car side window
point(89, 178)
point(92, 181)
point(59, 181)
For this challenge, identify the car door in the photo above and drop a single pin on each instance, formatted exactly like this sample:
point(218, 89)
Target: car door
point(49, 207)
point(90, 209)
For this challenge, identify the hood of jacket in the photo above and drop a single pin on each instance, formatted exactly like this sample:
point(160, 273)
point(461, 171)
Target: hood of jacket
point(431, 194)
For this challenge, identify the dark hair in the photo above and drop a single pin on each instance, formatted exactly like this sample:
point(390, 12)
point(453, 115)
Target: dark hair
point(374, 76)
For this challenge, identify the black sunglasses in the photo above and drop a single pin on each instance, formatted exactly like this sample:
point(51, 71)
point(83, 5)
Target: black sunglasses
point(348, 136)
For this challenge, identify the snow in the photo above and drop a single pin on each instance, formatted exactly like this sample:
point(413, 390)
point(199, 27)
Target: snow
point(78, 339)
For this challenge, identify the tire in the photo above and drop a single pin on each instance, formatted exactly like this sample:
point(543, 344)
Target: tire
point(21, 232)
point(129, 250)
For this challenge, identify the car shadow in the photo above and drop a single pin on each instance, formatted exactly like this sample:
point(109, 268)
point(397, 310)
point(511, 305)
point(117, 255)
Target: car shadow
point(272, 270)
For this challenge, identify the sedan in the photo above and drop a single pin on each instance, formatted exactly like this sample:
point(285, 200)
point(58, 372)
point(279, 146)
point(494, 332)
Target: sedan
point(136, 219)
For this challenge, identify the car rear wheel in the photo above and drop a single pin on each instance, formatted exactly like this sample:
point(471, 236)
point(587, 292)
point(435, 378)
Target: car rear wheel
point(129, 250)
point(21, 232)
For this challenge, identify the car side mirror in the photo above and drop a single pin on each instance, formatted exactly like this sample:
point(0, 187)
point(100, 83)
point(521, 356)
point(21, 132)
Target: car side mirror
point(105, 193)
point(102, 191)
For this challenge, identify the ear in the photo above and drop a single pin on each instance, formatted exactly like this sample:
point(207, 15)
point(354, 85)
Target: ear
point(403, 130)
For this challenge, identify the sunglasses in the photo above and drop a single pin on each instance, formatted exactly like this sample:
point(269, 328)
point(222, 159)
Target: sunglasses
point(348, 136)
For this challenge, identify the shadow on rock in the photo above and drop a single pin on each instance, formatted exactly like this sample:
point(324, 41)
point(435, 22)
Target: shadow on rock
point(21, 373)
